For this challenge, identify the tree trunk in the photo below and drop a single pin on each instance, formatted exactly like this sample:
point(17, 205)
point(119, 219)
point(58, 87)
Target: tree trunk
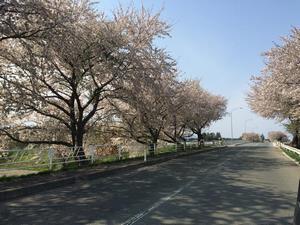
point(179, 147)
point(296, 141)
point(152, 148)
point(153, 142)
point(79, 144)
point(77, 139)
point(184, 144)
point(200, 139)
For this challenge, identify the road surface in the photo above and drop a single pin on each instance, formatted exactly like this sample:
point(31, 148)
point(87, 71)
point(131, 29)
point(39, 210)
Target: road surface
point(248, 184)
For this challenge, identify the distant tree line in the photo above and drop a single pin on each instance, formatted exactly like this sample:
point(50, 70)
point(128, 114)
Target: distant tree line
point(251, 136)
point(212, 136)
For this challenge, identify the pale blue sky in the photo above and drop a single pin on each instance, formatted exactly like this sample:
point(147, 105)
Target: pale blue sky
point(220, 42)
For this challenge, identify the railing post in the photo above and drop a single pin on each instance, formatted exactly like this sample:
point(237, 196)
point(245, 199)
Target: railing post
point(145, 155)
point(92, 153)
point(119, 152)
point(75, 150)
point(50, 156)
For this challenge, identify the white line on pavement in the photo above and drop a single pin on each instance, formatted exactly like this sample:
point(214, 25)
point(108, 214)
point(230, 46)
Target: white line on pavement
point(138, 216)
point(142, 214)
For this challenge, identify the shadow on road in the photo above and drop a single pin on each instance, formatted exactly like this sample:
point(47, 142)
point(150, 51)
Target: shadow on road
point(221, 201)
point(217, 195)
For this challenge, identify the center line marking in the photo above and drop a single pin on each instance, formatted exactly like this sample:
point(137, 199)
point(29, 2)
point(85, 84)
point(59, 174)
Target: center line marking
point(140, 215)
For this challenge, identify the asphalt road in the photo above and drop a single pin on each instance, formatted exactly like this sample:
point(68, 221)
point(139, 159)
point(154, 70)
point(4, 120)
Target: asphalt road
point(249, 184)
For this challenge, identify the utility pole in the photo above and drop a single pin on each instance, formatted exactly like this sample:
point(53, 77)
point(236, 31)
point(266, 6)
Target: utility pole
point(231, 120)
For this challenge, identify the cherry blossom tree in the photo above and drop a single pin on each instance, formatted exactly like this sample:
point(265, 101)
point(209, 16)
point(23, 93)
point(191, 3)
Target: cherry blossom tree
point(204, 108)
point(275, 93)
point(67, 70)
point(176, 128)
point(67, 77)
point(253, 137)
point(277, 136)
point(35, 18)
point(143, 109)
point(293, 127)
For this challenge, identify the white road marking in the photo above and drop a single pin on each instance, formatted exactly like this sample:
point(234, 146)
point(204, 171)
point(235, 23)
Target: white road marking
point(140, 215)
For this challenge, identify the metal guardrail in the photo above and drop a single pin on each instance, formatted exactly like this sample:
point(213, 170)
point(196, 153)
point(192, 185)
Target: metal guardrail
point(296, 219)
point(292, 149)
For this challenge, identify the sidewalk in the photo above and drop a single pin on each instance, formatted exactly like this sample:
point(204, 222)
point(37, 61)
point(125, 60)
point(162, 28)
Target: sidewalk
point(41, 182)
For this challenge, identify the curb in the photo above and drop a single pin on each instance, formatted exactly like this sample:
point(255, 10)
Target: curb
point(44, 186)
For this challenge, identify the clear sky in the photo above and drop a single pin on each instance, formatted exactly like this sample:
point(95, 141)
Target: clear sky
point(220, 42)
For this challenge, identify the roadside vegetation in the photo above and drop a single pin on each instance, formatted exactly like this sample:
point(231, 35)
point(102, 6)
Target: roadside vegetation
point(291, 154)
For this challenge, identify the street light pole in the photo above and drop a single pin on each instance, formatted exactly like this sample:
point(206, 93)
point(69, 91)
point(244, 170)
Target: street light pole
point(231, 119)
point(231, 125)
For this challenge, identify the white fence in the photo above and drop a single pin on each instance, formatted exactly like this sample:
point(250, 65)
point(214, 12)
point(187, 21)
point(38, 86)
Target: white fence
point(292, 149)
point(58, 157)
point(38, 158)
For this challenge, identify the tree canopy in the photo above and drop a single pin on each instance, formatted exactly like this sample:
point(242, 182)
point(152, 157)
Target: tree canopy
point(67, 69)
point(275, 93)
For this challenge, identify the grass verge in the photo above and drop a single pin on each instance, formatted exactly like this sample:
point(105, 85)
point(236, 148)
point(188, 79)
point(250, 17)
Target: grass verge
point(291, 154)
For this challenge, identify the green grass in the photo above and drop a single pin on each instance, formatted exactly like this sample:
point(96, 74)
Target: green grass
point(291, 154)
point(29, 159)
point(165, 149)
point(112, 159)
point(172, 148)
